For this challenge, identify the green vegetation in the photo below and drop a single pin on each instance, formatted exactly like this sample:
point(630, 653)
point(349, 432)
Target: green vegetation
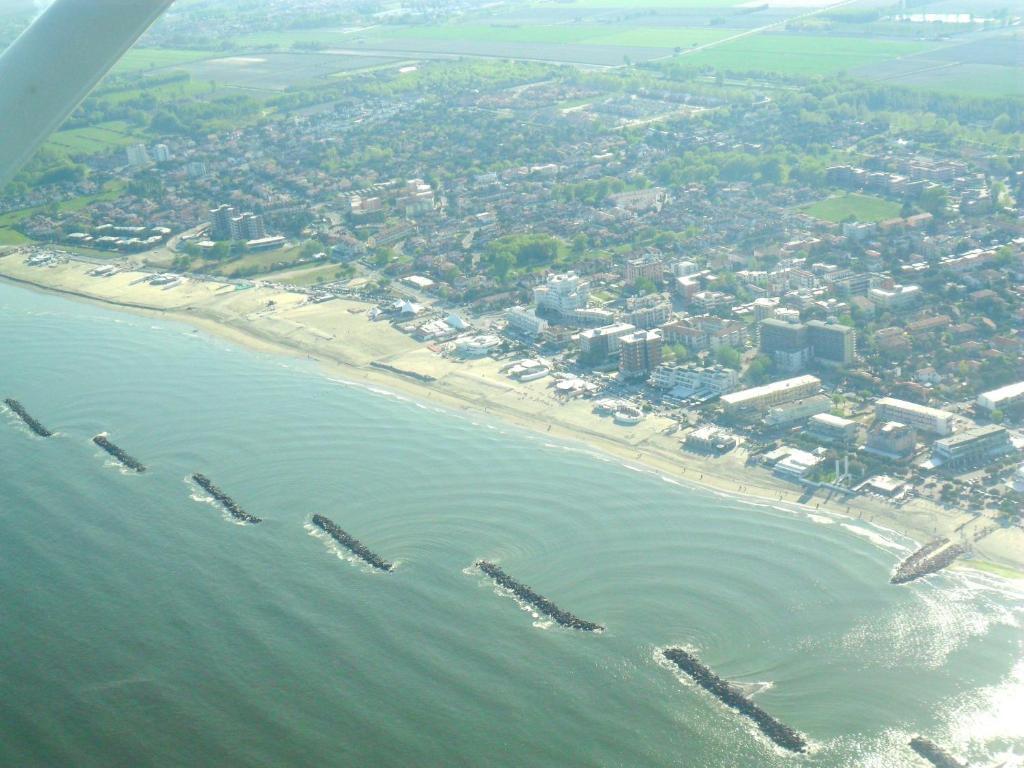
point(10, 236)
point(154, 58)
point(99, 138)
point(500, 33)
point(854, 207)
point(11, 219)
point(789, 54)
point(662, 37)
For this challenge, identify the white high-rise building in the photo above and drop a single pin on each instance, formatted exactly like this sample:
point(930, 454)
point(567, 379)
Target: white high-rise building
point(137, 154)
point(562, 293)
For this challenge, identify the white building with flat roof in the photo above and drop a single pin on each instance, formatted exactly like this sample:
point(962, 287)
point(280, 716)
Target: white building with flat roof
point(525, 321)
point(562, 293)
point(763, 398)
point(1011, 394)
point(832, 427)
point(690, 378)
point(922, 417)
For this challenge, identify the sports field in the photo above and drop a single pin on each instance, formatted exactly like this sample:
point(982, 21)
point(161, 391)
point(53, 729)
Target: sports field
point(859, 207)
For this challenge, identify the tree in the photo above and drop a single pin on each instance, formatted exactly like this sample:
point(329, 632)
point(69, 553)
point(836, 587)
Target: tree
point(760, 370)
point(728, 356)
point(934, 200)
point(644, 286)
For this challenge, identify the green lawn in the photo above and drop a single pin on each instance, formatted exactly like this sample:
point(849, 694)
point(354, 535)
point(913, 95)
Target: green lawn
point(259, 259)
point(305, 274)
point(860, 207)
point(137, 59)
point(799, 54)
point(12, 237)
point(97, 138)
point(176, 90)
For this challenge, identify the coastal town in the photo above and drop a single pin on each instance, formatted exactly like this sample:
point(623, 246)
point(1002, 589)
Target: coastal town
point(819, 298)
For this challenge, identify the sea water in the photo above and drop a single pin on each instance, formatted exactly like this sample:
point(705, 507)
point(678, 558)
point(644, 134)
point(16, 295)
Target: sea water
point(142, 628)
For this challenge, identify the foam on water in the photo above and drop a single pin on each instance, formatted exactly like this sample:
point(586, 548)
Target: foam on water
point(202, 609)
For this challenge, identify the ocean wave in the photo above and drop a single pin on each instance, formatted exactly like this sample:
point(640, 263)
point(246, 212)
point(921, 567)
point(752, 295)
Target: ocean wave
point(939, 620)
point(986, 723)
point(876, 538)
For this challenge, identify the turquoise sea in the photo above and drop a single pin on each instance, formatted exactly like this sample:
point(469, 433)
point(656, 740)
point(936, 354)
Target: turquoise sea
point(141, 627)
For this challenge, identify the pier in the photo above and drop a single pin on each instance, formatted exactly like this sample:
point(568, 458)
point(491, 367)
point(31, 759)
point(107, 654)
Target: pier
point(934, 754)
point(119, 453)
point(542, 604)
point(932, 557)
point(351, 543)
point(779, 733)
point(24, 415)
point(225, 501)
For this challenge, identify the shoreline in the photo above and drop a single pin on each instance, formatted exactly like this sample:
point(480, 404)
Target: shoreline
point(278, 322)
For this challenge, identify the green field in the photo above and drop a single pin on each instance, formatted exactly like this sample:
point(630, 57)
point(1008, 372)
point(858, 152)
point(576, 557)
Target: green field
point(305, 275)
point(174, 90)
point(799, 55)
point(663, 37)
point(10, 236)
point(967, 79)
point(285, 39)
point(497, 33)
point(860, 207)
point(137, 59)
point(98, 138)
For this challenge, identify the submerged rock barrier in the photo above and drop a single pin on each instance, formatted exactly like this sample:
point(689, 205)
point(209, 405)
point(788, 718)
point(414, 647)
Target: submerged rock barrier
point(352, 544)
point(24, 415)
point(426, 378)
point(119, 453)
point(542, 604)
point(932, 557)
point(779, 733)
point(225, 501)
point(934, 754)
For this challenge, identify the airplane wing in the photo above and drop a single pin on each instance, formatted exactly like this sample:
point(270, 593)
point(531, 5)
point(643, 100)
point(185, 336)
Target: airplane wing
point(54, 64)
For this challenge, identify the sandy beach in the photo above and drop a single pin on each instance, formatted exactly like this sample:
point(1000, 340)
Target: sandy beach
point(339, 335)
